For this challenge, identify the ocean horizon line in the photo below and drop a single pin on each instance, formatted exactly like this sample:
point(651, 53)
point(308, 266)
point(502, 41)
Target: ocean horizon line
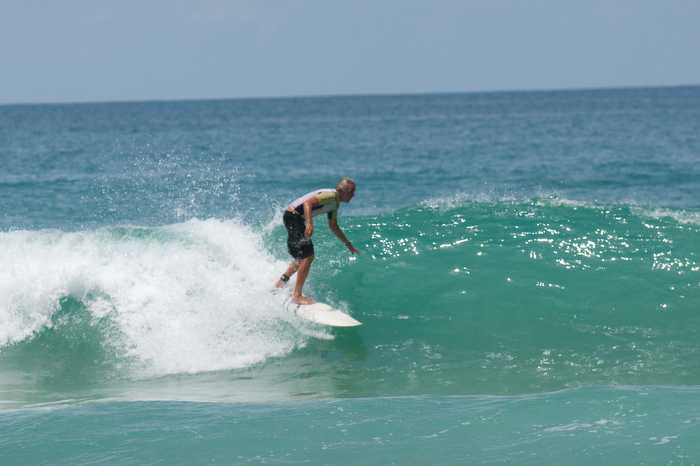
point(353, 95)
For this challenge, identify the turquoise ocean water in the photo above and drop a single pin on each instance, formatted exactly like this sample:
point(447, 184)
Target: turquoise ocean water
point(529, 281)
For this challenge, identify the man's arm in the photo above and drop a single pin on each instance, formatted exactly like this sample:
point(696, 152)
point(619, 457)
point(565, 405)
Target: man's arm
point(308, 215)
point(333, 225)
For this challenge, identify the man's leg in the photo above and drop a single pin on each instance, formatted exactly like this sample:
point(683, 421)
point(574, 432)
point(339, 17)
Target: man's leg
point(291, 270)
point(303, 272)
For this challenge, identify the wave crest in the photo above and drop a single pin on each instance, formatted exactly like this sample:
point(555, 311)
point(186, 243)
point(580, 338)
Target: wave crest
point(187, 297)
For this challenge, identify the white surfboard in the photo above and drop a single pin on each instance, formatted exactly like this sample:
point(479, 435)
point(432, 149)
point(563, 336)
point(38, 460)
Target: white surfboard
point(323, 314)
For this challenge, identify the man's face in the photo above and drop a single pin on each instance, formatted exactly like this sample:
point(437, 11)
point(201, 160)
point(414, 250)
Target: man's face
point(347, 193)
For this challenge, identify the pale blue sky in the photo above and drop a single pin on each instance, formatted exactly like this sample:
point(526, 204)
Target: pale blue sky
point(92, 50)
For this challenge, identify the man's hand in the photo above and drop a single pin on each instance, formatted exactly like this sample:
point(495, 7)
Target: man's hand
point(333, 224)
point(309, 230)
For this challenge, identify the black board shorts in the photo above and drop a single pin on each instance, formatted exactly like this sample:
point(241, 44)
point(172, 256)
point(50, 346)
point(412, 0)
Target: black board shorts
point(298, 245)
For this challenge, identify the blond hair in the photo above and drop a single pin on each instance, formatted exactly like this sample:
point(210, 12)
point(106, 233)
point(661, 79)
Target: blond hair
point(345, 184)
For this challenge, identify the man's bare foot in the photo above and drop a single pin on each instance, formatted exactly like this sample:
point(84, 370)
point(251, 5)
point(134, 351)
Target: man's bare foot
point(280, 284)
point(302, 300)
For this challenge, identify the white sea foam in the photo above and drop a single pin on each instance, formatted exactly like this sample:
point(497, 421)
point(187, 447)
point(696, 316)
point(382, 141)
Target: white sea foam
point(540, 199)
point(188, 297)
point(680, 216)
point(687, 217)
point(459, 199)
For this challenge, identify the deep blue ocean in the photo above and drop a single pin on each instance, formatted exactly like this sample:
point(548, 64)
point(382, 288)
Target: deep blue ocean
point(528, 283)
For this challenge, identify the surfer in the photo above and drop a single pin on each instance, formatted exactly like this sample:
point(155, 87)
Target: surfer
point(298, 220)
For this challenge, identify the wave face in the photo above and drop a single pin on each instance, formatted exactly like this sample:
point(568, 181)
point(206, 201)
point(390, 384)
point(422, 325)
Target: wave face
point(512, 296)
point(457, 296)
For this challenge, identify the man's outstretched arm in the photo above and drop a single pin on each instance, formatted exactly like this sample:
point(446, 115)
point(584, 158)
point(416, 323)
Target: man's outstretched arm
point(333, 225)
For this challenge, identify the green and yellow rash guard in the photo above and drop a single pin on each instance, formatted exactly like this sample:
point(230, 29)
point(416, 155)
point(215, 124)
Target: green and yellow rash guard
point(328, 203)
